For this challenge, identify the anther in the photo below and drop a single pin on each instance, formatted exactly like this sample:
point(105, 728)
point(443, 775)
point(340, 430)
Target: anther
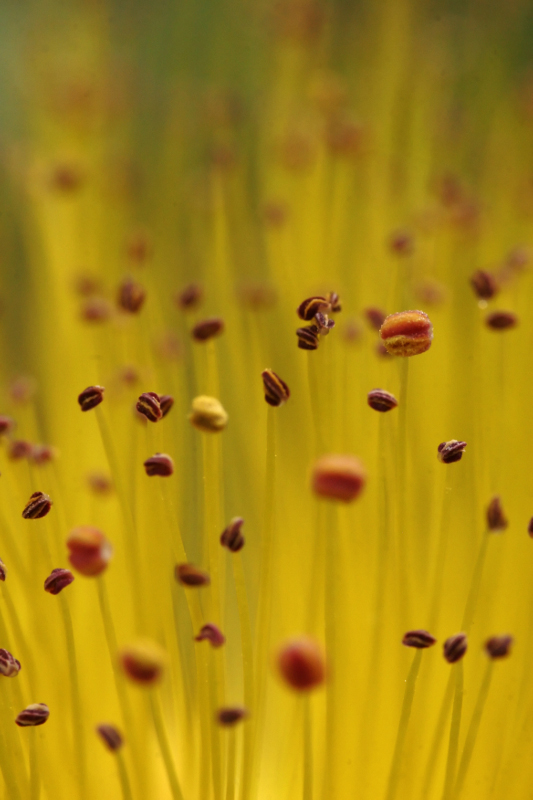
point(323, 323)
point(499, 646)
point(530, 527)
point(231, 715)
point(212, 634)
point(419, 639)
point(450, 452)
point(276, 390)
point(501, 320)
point(6, 424)
point(207, 329)
point(401, 243)
point(335, 306)
point(58, 580)
point(496, 519)
point(143, 661)
point(99, 483)
point(301, 663)
point(131, 296)
point(91, 397)
point(149, 406)
point(33, 715)
point(18, 449)
point(455, 647)
point(338, 477)
point(189, 297)
point(95, 309)
point(380, 400)
point(37, 506)
point(407, 333)
point(208, 414)
point(166, 401)
point(3, 571)
point(375, 317)
point(90, 551)
point(232, 537)
point(308, 337)
point(9, 665)
point(311, 306)
point(190, 576)
point(160, 464)
point(484, 284)
point(110, 736)
point(42, 454)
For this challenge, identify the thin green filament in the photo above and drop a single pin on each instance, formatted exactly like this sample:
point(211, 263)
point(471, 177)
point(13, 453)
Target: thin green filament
point(164, 746)
point(473, 729)
point(454, 732)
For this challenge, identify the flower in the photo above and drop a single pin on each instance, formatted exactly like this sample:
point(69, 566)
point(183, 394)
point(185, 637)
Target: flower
point(171, 214)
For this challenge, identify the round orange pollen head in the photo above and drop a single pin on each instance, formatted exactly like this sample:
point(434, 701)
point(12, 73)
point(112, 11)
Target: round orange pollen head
point(407, 333)
point(89, 550)
point(301, 663)
point(338, 477)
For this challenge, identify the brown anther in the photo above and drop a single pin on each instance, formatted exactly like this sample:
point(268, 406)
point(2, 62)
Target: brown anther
point(3, 571)
point(42, 454)
point(86, 285)
point(138, 247)
point(90, 551)
point(455, 647)
point(231, 715)
point(301, 663)
point(18, 449)
point(91, 397)
point(99, 483)
point(401, 243)
point(149, 406)
point(352, 331)
point(95, 309)
point(499, 646)
point(345, 138)
point(143, 661)
point(484, 284)
point(450, 452)
point(407, 333)
point(380, 400)
point(9, 665)
point(33, 715)
point(190, 297)
point(6, 424)
point(276, 390)
point(208, 414)
point(375, 317)
point(338, 477)
point(308, 337)
point(66, 177)
point(160, 464)
point(212, 634)
point(37, 506)
point(496, 519)
point(323, 323)
point(190, 576)
point(166, 401)
point(207, 329)
point(131, 296)
point(58, 580)
point(110, 736)
point(530, 527)
point(275, 213)
point(308, 308)
point(419, 639)
point(501, 320)
point(334, 301)
point(232, 537)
